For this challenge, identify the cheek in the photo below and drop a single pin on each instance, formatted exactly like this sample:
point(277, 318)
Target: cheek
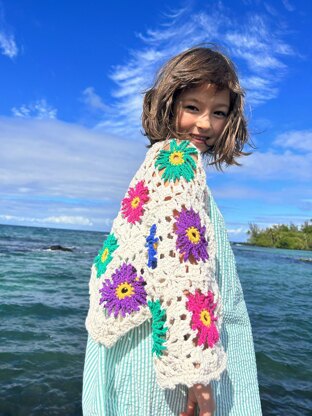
point(219, 126)
point(184, 121)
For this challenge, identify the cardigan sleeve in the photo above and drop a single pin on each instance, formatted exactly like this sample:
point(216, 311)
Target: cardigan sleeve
point(158, 262)
point(184, 300)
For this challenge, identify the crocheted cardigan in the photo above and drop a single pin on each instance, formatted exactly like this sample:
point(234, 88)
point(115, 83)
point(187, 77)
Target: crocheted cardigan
point(158, 263)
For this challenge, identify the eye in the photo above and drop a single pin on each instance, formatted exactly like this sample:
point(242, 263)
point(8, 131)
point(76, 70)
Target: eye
point(191, 108)
point(220, 114)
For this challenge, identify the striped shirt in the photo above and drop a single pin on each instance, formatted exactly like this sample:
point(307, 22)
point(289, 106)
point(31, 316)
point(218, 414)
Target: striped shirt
point(121, 380)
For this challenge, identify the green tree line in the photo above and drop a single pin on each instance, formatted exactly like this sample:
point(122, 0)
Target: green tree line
point(282, 236)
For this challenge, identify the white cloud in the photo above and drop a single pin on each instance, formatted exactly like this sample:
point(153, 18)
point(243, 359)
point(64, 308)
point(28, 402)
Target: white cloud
point(239, 230)
point(285, 195)
point(270, 9)
point(93, 100)
point(68, 220)
point(288, 6)
point(267, 221)
point(289, 159)
point(7, 45)
point(61, 174)
point(283, 162)
point(54, 158)
point(276, 166)
point(39, 110)
point(259, 90)
point(64, 220)
point(58, 171)
point(296, 139)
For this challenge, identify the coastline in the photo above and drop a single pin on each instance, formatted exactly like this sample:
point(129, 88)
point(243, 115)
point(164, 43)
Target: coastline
point(278, 248)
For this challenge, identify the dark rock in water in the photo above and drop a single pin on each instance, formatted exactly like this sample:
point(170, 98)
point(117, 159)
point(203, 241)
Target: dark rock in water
point(60, 248)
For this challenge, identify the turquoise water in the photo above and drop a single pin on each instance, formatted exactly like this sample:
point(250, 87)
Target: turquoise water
point(45, 299)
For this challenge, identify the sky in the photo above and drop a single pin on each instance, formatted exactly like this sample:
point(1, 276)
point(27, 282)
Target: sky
point(72, 77)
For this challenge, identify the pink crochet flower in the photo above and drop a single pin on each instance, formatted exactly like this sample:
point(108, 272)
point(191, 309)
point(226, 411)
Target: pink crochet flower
point(203, 319)
point(132, 206)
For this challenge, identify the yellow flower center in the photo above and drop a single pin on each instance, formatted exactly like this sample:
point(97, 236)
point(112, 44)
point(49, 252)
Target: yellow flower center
point(155, 245)
point(205, 317)
point(104, 255)
point(193, 235)
point(135, 202)
point(124, 290)
point(176, 158)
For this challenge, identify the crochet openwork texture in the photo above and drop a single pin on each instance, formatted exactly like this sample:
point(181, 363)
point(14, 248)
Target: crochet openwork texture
point(159, 264)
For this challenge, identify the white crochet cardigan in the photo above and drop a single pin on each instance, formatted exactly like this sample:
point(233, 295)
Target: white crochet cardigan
point(159, 263)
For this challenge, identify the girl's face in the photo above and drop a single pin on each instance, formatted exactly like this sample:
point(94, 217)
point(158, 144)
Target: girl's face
point(202, 113)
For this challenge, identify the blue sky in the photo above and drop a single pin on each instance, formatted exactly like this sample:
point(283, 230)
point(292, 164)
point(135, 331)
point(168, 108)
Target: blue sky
point(72, 76)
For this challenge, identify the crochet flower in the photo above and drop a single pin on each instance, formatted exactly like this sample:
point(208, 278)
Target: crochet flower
point(152, 243)
point(104, 256)
point(177, 161)
point(132, 206)
point(203, 319)
point(125, 293)
point(158, 328)
point(191, 236)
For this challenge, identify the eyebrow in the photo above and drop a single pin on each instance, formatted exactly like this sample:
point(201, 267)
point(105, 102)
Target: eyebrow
point(199, 102)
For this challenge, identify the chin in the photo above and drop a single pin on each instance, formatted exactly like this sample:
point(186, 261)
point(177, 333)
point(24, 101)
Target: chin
point(201, 147)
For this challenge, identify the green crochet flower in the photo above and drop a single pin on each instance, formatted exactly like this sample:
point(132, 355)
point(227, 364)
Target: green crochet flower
point(104, 256)
point(158, 328)
point(177, 161)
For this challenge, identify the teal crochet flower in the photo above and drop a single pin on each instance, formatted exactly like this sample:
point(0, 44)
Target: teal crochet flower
point(158, 327)
point(104, 256)
point(177, 161)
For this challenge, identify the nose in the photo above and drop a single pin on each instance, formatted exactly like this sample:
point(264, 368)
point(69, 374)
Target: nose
point(203, 122)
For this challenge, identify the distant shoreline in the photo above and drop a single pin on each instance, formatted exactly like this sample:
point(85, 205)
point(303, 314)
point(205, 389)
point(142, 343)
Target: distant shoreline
point(256, 245)
point(291, 237)
point(244, 243)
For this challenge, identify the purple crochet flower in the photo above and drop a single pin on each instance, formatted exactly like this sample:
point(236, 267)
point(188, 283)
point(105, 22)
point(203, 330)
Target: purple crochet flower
point(191, 239)
point(125, 293)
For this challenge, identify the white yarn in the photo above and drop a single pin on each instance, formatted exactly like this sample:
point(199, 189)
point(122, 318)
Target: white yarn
point(182, 362)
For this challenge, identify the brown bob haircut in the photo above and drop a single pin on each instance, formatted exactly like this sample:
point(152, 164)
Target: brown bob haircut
point(190, 69)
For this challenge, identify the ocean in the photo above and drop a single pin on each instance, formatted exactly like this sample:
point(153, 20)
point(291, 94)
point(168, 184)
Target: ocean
point(44, 302)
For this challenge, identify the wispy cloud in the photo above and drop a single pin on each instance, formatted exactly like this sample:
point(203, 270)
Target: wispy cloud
point(258, 45)
point(288, 6)
point(276, 166)
point(235, 231)
point(39, 110)
point(289, 158)
point(254, 41)
point(93, 100)
point(300, 140)
point(259, 88)
point(8, 45)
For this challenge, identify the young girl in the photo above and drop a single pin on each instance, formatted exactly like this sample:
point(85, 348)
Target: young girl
point(168, 325)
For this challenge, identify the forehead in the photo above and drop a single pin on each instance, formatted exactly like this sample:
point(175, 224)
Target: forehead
point(206, 91)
